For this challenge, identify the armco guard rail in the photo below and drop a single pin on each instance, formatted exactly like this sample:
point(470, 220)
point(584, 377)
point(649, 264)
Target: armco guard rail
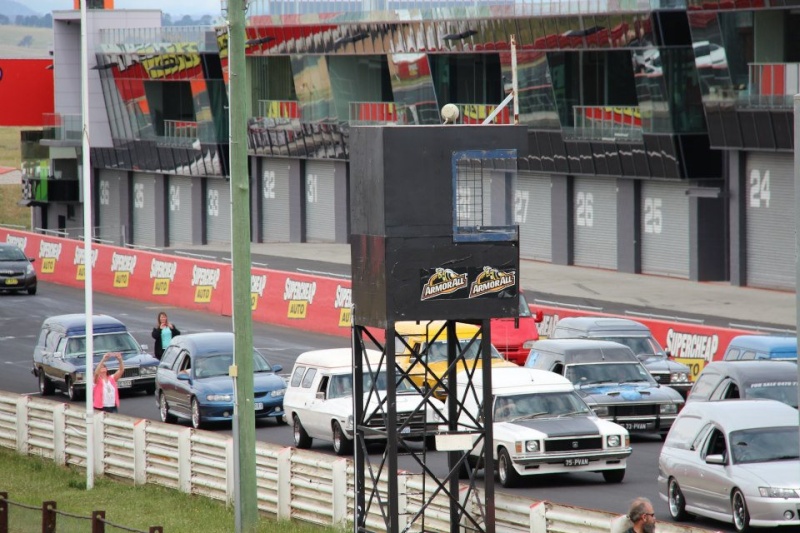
point(292, 484)
point(49, 514)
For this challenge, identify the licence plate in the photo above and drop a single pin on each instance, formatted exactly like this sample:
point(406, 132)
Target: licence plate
point(638, 426)
point(124, 384)
point(12, 281)
point(577, 461)
point(258, 406)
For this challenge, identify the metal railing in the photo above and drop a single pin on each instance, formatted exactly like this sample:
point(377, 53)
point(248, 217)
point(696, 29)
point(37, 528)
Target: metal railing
point(279, 109)
point(607, 123)
point(477, 113)
point(772, 84)
point(187, 132)
point(373, 113)
point(61, 127)
point(16, 516)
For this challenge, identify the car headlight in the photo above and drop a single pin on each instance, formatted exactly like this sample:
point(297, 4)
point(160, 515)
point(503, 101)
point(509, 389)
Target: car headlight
point(679, 377)
point(277, 392)
point(79, 377)
point(775, 492)
point(613, 441)
point(147, 370)
point(600, 410)
point(29, 270)
point(219, 397)
point(668, 408)
point(530, 446)
point(528, 345)
point(349, 424)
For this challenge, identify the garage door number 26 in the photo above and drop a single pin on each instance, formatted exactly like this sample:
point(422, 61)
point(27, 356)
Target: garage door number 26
point(759, 188)
point(584, 209)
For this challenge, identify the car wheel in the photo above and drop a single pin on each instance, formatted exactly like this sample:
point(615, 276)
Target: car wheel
point(149, 390)
point(301, 438)
point(614, 476)
point(73, 392)
point(280, 420)
point(741, 516)
point(676, 501)
point(46, 387)
point(341, 444)
point(32, 290)
point(505, 470)
point(163, 409)
point(197, 420)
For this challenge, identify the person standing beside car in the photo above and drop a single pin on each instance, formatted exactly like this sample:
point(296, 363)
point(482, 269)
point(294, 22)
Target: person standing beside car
point(163, 334)
point(105, 393)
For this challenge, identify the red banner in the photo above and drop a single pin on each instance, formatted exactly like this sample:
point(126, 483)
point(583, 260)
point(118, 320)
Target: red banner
point(311, 303)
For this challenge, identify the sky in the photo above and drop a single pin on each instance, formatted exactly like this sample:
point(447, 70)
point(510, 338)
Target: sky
point(173, 7)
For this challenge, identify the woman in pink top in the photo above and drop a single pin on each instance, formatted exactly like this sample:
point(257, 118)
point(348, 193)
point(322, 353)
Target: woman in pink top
point(106, 394)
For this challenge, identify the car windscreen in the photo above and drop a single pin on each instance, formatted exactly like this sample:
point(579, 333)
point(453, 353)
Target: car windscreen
point(11, 253)
point(218, 364)
point(528, 406)
point(595, 373)
point(524, 308)
point(784, 391)
point(437, 351)
point(103, 343)
point(762, 445)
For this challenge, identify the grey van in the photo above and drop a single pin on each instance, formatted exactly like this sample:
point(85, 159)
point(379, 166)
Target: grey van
point(635, 336)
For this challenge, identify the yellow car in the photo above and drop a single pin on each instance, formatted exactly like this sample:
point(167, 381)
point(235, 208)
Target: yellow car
point(428, 339)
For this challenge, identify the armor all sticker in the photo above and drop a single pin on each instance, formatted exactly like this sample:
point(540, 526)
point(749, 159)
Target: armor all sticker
point(492, 281)
point(443, 282)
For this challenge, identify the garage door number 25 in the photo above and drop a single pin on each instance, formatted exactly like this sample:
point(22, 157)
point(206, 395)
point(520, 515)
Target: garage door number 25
point(759, 188)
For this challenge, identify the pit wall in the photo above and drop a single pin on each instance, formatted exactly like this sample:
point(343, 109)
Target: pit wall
point(312, 303)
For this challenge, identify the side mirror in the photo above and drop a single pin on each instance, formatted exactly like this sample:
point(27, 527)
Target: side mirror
point(715, 459)
point(58, 355)
point(184, 377)
point(277, 368)
point(144, 347)
point(538, 316)
point(32, 259)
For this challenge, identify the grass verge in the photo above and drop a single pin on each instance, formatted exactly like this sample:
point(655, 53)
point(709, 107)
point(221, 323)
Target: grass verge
point(32, 481)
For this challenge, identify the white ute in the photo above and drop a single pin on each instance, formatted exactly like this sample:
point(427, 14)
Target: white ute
point(542, 426)
point(319, 401)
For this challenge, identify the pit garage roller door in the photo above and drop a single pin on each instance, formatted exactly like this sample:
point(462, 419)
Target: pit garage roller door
point(533, 215)
point(320, 201)
point(218, 211)
point(179, 200)
point(109, 185)
point(664, 229)
point(769, 218)
point(595, 222)
point(144, 208)
point(275, 221)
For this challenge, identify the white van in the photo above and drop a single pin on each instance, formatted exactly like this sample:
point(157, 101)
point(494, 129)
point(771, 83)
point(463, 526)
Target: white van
point(542, 426)
point(319, 401)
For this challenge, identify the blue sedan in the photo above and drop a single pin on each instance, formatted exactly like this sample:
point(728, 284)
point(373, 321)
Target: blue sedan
point(193, 381)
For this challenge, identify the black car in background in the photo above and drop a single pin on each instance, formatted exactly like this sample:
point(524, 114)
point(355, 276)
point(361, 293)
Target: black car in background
point(16, 270)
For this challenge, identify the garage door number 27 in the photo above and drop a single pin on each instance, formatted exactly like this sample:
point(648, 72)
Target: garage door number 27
point(759, 189)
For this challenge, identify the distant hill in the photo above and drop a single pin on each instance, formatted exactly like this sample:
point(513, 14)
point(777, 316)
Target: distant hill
point(11, 9)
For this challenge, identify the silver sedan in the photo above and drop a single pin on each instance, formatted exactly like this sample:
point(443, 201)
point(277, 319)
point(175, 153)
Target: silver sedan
point(733, 461)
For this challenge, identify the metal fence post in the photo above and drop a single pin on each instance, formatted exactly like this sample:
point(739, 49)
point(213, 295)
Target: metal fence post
point(48, 517)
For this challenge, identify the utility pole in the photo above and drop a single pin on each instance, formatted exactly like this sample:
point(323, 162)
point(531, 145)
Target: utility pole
point(244, 422)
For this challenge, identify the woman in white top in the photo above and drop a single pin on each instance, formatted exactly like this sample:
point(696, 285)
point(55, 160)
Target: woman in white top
point(106, 393)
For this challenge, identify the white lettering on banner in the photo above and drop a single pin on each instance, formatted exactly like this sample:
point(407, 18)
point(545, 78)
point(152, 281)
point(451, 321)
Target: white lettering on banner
point(344, 297)
point(547, 325)
point(20, 242)
point(258, 284)
point(123, 263)
point(163, 269)
point(692, 345)
point(205, 277)
point(299, 290)
point(80, 256)
point(50, 250)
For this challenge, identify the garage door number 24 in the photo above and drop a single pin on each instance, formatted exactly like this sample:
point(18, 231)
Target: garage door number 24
point(760, 194)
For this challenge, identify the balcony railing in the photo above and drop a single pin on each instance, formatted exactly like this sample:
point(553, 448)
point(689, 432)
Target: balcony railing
point(608, 123)
point(374, 113)
point(60, 127)
point(279, 109)
point(772, 84)
point(477, 113)
point(185, 133)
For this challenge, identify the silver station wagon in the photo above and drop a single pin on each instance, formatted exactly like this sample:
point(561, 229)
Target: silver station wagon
point(736, 461)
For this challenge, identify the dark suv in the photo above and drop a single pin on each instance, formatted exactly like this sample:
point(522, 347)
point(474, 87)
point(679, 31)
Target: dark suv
point(59, 358)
